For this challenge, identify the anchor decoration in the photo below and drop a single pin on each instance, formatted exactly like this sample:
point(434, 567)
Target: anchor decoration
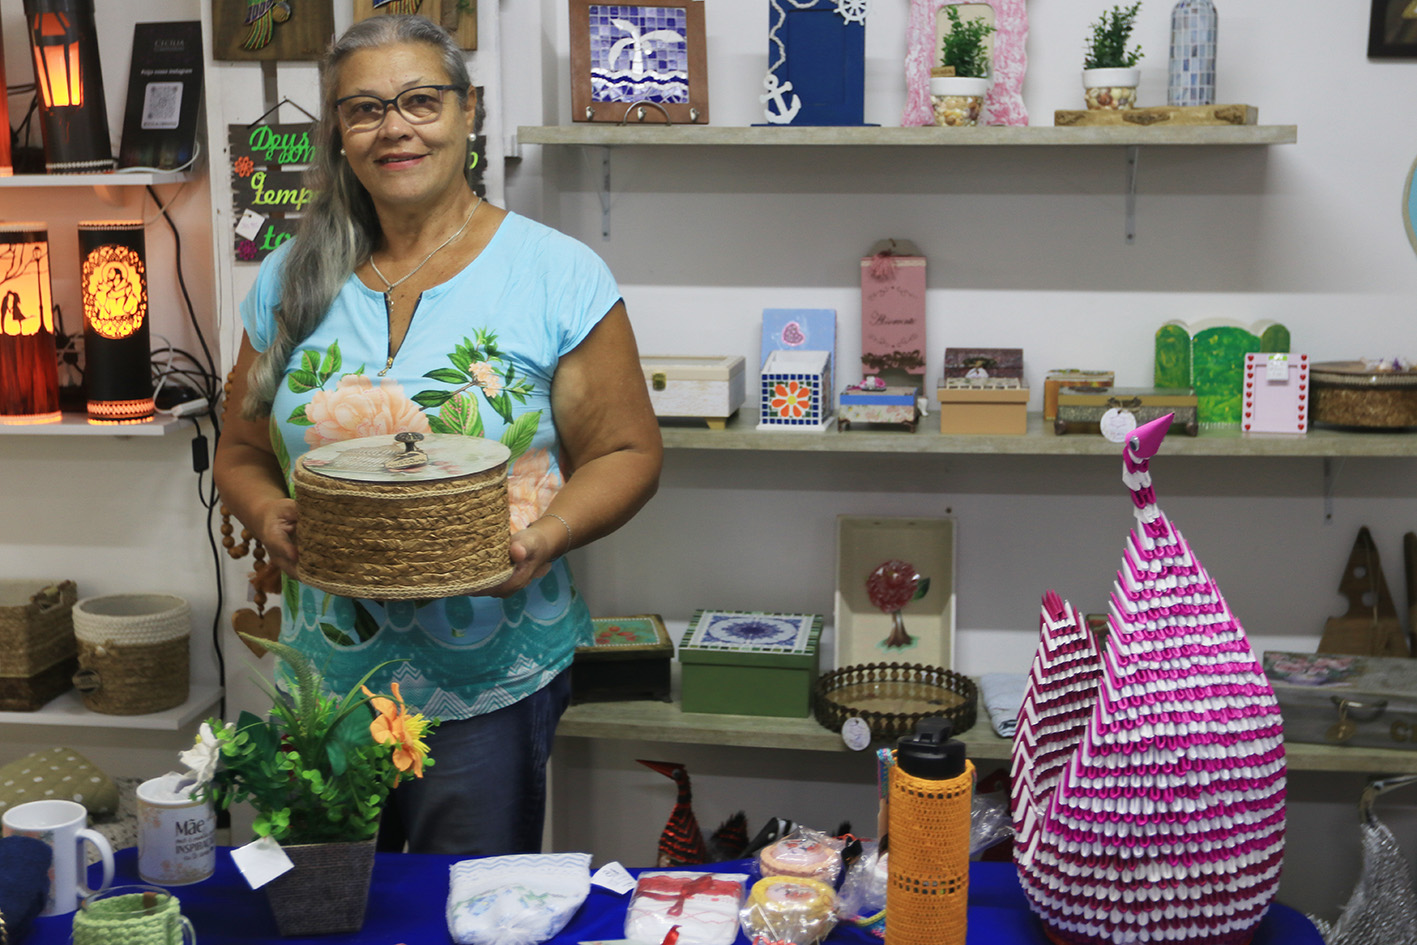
point(775, 98)
point(1149, 772)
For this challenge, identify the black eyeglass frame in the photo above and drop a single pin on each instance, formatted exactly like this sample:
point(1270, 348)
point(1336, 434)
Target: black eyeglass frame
point(393, 102)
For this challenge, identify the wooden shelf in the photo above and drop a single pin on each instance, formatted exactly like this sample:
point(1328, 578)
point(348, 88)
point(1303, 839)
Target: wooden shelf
point(666, 722)
point(111, 179)
point(610, 135)
point(77, 424)
point(68, 710)
point(741, 434)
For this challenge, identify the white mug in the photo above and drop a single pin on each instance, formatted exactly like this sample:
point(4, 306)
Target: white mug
point(176, 834)
point(60, 824)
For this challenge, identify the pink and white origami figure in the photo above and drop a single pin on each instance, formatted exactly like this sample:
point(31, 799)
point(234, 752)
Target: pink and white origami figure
point(1148, 773)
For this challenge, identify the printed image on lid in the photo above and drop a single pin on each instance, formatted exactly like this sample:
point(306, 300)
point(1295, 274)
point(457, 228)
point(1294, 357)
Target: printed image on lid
point(411, 458)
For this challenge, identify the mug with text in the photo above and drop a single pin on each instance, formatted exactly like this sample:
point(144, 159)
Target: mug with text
point(61, 825)
point(176, 833)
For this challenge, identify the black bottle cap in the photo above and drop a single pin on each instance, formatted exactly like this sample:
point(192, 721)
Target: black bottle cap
point(929, 753)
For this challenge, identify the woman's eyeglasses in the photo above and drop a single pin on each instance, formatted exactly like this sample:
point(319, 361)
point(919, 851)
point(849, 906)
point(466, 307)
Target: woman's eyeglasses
point(418, 106)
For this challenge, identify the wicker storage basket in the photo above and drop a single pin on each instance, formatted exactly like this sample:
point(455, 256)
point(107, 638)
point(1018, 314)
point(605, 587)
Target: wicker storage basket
point(37, 653)
point(132, 652)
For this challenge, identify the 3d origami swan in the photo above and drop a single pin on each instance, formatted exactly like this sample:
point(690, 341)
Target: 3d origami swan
point(1148, 773)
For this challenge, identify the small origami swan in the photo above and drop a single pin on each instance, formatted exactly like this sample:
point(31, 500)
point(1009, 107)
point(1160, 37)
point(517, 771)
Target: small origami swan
point(1148, 775)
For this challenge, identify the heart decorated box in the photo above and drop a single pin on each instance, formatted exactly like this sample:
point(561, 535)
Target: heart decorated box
point(627, 658)
point(738, 662)
point(1276, 394)
point(699, 388)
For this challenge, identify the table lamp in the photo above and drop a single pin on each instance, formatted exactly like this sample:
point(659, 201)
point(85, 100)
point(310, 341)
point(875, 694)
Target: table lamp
point(66, 69)
point(29, 367)
point(117, 354)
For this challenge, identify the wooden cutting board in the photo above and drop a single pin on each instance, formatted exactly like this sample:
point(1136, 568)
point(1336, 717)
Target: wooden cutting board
point(1371, 627)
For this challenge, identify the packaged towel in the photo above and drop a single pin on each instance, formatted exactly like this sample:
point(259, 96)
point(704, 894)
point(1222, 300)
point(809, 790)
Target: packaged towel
point(24, 882)
point(1002, 694)
point(522, 899)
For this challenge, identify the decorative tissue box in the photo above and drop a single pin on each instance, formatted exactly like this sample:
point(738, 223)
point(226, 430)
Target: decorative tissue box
point(750, 663)
point(707, 388)
point(797, 391)
point(1055, 381)
point(992, 405)
point(1080, 410)
point(629, 659)
point(1327, 699)
point(893, 405)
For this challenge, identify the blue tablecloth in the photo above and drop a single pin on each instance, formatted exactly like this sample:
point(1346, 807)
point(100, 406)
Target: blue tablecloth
point(409, 895)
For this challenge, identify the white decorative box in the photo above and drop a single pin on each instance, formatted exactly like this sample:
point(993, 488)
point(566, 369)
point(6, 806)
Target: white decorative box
point(708, 388)
point(796, 391)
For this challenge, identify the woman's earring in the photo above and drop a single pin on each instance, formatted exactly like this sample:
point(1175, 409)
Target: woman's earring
point(341, 152)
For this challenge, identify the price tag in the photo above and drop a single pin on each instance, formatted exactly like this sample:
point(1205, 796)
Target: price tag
point(614, 877)
point(1277, 367)
point(1117, 424)
point(856, 733)
point(249, 226)
point(261, 861)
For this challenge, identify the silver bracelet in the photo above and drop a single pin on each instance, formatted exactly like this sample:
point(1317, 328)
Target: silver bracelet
point(570, 537)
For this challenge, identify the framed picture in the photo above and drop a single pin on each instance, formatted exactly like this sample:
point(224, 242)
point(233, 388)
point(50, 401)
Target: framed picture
point(1004, 103)
point(458, 17)
point(1392, 31)
point(641, 62)
point(816, 63)
point(266, 30)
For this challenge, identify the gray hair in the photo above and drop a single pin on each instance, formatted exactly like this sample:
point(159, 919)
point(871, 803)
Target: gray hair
point(339, 229)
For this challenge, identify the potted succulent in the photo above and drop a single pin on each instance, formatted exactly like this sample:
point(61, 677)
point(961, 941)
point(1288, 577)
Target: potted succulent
point(1109, 73)
point(317, 771)
point(958, 85)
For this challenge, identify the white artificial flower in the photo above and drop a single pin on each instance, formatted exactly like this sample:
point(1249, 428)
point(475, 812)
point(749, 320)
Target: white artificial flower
point(202, 758)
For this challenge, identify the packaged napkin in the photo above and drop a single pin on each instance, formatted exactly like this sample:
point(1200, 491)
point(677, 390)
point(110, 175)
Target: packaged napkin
point(523, 899)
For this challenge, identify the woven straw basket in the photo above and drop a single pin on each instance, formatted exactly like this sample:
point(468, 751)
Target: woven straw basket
point(132, 652)
point(36, 642)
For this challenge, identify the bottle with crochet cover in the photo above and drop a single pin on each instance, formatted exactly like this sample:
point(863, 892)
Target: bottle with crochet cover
point(931, 791)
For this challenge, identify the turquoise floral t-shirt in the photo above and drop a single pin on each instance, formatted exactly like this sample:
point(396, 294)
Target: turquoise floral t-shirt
point(477, 360)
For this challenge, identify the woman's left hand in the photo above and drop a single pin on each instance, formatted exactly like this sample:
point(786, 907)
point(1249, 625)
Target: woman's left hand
point(533, 549)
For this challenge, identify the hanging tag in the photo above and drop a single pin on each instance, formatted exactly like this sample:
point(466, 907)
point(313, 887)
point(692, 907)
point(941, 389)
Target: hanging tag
point(1277, 367)
point(614, 877)
point(1117, 424)
point(856, 733)
point(249, 226)
point(261, 861)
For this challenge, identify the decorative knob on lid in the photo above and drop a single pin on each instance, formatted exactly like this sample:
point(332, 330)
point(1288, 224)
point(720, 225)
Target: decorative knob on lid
point(412, 457)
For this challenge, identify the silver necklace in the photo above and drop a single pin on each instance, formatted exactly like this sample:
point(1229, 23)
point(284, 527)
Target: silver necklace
point(390, 286)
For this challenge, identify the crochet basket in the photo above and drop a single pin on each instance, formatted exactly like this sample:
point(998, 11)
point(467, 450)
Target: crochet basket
point(37, 651)
point(132, 652)
point(132, 915)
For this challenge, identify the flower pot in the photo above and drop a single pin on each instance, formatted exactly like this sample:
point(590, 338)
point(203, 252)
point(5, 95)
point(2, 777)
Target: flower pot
point(1113, 89)
point(327, 890)
point(958, 100)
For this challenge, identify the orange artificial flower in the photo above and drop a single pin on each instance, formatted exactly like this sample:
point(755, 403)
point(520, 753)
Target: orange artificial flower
point(395, 726)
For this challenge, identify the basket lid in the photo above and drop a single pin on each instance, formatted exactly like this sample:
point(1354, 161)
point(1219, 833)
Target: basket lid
point(406, 457)
point(1361, 374)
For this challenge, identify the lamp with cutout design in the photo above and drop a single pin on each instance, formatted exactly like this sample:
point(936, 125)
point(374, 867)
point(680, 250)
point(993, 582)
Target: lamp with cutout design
point(117, 353)
point(29, 367)
point(74, 116)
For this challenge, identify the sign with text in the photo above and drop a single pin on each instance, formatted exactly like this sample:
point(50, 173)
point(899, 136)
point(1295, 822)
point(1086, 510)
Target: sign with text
point(268, 191)
point(893, 317)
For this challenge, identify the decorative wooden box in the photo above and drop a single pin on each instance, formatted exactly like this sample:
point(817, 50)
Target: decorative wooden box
point(1328, 699)
point(38, 653)
point(890, 405)
point(750, 663)
point(629, 659)
point(989, 406)
point(980, 364)
point(797, 391)
point(1081, 410)
point(707, 388)
point(1055, 381)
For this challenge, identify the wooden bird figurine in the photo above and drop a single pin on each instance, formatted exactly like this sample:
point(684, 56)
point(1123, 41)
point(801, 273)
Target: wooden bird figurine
point(682, 842)
point(1150, 775)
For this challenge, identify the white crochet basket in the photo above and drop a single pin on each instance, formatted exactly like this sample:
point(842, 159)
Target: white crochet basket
point(132, 652)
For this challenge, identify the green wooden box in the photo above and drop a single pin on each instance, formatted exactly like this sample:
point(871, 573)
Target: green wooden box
point(750, 663)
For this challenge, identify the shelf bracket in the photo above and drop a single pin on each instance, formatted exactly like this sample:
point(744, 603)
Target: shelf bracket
point(1133, 154)
point(603, 191)
point(1332, 467)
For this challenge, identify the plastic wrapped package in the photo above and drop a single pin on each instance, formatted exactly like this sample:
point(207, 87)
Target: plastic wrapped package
point(703, 905)
point(522, 899)
point(803, 853)
point(989, 821)
point(789, 909)
point(862, 899)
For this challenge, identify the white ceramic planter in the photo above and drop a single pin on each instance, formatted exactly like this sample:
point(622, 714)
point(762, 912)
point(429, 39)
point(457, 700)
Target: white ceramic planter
point(958, 100)
point(1111, 88)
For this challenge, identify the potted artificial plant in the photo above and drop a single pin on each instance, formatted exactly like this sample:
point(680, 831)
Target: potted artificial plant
point(958, 85)
point(1109, 72)
point(317, 770)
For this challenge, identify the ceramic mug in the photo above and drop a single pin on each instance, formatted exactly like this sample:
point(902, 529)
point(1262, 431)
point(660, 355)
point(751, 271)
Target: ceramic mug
point(133, 915)
point(176, 834)
point(60, 824)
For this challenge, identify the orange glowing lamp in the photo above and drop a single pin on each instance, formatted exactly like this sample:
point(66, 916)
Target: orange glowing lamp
point(57, 64)
point(29, 366)
point(74, 117)
point(117, 356)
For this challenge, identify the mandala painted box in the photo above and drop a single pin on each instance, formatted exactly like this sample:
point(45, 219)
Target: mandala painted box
point(685, 387)
point(750, 663)
point(628, 659)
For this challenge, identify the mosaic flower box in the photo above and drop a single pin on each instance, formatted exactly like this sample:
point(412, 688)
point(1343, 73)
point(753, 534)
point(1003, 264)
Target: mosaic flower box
point(629, 659)
point(750, 663)
point(796, 391)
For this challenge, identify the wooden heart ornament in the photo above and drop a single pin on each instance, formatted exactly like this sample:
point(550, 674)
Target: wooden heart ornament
point(264, 626)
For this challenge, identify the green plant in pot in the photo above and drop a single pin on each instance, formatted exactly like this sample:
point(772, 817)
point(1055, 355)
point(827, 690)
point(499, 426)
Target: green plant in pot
point(317, 771)
point(959, 84)
point(1109, 73)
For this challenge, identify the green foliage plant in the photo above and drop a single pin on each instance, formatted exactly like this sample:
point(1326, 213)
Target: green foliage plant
point(1107, 47)
point(964, 45)
point(311, 769)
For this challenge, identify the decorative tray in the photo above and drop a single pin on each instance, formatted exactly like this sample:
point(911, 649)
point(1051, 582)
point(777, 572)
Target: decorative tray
point(892, 697)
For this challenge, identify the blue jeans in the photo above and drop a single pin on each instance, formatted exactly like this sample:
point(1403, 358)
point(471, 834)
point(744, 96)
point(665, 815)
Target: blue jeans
point(485, 794)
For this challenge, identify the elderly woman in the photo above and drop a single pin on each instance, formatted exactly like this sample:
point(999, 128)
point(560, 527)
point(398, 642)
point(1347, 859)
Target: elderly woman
point(400, 271)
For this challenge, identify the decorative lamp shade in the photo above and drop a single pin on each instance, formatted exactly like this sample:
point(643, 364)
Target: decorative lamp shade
point(117, 354)
point(29, 367)
point(66, 69)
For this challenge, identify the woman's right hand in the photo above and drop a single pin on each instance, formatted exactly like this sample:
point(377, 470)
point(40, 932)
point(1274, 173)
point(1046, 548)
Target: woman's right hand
point(276, 530)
